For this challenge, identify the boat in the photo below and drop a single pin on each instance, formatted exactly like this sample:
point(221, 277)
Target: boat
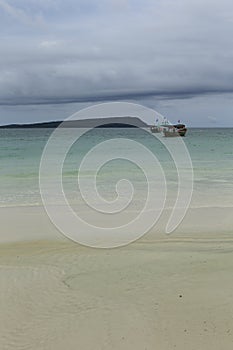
point(174, 130)
point(155, 129)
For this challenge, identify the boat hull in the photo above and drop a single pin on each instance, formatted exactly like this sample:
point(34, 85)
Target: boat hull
point(154, 129)
point(175, 132)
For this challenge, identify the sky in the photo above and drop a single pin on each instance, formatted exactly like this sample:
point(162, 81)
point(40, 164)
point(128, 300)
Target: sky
point(175, 56)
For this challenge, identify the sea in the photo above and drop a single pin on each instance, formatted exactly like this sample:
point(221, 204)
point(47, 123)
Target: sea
point(210, 150)
point(94, 164)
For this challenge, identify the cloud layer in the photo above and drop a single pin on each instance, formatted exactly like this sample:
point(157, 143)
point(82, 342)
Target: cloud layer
point(55, 52)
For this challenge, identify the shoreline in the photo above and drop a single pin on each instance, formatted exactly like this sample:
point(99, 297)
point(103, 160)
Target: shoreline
point(31, 223)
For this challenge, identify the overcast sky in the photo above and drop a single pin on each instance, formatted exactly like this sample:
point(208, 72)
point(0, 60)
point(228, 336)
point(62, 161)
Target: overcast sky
point(175, 56)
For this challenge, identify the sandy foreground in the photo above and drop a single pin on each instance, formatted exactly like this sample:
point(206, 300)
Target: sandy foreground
point(161, 293)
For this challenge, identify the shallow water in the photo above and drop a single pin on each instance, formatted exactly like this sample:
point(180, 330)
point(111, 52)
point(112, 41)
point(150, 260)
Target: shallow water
point(211, 153)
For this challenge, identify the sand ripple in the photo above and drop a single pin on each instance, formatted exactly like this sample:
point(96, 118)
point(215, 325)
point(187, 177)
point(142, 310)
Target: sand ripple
point(146, 296)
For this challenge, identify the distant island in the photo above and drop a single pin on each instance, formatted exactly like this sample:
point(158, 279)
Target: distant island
point(111, 122)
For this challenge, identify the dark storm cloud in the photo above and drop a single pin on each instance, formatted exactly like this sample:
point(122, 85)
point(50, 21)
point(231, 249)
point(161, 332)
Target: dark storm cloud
point(104, 97)
point(56, 52)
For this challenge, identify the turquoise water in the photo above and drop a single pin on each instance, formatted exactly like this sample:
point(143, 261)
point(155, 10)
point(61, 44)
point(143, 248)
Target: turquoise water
point(211, 151)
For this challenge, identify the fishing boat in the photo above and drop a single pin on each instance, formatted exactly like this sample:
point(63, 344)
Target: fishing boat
point(174, 130)
point(155, 129)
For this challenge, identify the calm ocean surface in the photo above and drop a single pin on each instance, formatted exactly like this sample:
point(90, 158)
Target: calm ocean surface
point(211, 151)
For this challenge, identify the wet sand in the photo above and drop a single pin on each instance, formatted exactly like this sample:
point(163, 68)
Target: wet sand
point(158, 293)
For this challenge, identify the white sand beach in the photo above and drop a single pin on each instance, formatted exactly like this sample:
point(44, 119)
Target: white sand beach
point(161, 292)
